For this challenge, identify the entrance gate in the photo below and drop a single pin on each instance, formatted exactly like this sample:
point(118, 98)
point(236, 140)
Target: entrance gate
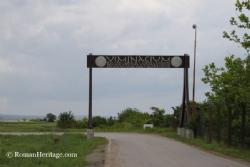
point(141, 61)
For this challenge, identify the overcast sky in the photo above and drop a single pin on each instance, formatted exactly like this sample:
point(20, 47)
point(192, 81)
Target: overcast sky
point(44, 43)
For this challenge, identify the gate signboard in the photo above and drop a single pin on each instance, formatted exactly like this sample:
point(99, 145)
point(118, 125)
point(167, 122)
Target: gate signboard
point(139, 61)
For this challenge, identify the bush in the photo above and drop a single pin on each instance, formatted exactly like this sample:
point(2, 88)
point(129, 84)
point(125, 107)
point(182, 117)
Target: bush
point(134, 117)
point(111, 121)
point(50, 117)
point(123, 126)
point(158, 116)
point(168, 120)
point(66, 120)
point(99, 121)
point(80, 124)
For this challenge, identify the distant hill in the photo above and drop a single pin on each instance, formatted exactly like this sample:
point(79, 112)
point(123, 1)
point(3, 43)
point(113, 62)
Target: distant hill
point(19, 117)
point(28, 117)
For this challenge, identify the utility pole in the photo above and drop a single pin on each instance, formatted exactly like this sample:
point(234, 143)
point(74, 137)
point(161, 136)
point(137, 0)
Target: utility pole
point(194, 70)
point(194, 112)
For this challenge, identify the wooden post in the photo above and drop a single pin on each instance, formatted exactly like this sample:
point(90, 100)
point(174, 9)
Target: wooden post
point(185, 99)
point(90, 99)
point(90, 132)
point(183, 102)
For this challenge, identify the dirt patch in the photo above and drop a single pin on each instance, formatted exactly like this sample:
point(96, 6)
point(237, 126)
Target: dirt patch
point(97, 157)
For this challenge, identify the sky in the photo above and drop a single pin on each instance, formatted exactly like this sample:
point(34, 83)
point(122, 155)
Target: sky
point(44, 43)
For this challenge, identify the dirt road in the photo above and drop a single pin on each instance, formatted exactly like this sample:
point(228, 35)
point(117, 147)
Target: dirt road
point(141, 150)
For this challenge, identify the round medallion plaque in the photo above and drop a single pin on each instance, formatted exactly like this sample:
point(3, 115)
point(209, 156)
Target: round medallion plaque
point(176, 61)
point(100, 61)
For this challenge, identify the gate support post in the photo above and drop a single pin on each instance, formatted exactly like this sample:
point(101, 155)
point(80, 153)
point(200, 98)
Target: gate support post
point(185, 99)
point(90, 131)
point(184, 118)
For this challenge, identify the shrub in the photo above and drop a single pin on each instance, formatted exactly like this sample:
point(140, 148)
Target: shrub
point(99, 121)
point(134, 117)
point(50, 117)
point(66, 120)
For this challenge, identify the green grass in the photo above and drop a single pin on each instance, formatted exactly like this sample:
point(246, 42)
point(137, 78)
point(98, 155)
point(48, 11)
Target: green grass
point(68, 143)
point(26, 126)
point(36, 126)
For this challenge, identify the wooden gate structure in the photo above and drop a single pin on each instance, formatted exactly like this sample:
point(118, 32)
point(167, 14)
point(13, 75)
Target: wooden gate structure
point(141, 61)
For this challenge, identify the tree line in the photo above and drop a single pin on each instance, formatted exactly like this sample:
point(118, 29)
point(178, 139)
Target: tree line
point(129, 118)
point(225, 114)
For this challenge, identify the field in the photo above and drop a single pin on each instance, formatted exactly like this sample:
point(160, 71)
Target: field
point(36, 126)
point(68, 143)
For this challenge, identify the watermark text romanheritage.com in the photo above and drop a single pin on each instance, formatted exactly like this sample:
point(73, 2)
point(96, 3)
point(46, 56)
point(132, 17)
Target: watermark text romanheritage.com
point(16, 154)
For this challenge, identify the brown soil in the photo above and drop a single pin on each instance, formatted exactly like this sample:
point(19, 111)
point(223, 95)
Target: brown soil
point(97, 157)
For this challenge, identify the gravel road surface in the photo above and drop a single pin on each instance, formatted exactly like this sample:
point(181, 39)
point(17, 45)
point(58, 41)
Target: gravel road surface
point(143, 150)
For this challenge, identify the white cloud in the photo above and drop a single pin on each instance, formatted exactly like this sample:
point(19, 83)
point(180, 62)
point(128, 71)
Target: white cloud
point(5, 66)
point(3, 104)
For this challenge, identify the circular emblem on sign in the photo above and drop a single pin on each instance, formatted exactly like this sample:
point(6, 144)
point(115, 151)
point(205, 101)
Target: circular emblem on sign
point(176, 61)
point(100, 61)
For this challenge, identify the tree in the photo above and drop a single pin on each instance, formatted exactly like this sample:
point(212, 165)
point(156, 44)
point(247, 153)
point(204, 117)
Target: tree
point(241, 22)
point(50, 117)
point(168, 120)
point(85, 122)
point(158, 116)
point(111, 121)
point(176, 115)
point(194, 118)
point(229, 95)
point(66, 120)
point(99, 121)
point(229, 86)
point(133, 116)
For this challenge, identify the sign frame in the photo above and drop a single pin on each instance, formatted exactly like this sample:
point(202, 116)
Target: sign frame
point(138, 61)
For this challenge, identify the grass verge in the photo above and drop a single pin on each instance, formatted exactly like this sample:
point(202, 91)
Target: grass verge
point(68, 143)
point(36, 126)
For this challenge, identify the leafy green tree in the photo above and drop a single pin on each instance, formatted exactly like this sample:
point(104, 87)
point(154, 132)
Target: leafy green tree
point(85, 122)
point(111, 121)
point(50, 117)
point(158, 116)
point(241, 22)
point(66, 120)
point(99, 121)
point(176, 115)
point(194, 121)
point(133, 116)
point(229, 95)
point(230, 87)
point(168, 120)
